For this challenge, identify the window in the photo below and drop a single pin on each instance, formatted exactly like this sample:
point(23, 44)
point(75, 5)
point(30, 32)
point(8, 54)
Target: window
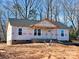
point(37, 32)
point(62, 33)
point(20, 31)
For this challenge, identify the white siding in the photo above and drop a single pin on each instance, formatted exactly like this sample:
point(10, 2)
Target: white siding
point(28, 34)
point(49, 34)
point(66, 34)
point(45, 34)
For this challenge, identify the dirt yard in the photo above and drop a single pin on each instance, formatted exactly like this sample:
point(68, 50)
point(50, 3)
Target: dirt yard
point(39, 51)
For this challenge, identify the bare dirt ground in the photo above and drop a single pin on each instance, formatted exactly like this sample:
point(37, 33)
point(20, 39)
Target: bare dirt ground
point(39, 51)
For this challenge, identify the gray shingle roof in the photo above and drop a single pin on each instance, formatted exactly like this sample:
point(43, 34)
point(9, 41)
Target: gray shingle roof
point(22, 22)
point(26, 23)
point(60, 25)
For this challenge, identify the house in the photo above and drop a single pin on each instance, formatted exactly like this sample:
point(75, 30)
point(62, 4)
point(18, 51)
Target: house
point(22, 30)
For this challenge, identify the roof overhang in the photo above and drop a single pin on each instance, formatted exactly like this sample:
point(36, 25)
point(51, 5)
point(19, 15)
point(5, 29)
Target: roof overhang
point(43, 27)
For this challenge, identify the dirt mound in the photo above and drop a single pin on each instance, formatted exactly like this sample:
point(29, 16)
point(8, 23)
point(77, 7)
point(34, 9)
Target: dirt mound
point(39, 51)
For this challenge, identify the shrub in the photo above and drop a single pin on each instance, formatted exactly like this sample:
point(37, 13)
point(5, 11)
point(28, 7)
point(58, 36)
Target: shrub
point(73, 35)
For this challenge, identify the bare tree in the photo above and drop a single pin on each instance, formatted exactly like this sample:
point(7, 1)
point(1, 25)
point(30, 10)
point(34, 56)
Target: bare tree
point(51, 9)
point(69, 11)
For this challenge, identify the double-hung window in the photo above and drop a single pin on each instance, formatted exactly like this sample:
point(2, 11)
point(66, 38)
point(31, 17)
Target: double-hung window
point(62, 33)
point(37, 32)
point(20, 31)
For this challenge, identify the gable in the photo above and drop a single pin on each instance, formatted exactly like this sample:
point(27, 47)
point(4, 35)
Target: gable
point(45, 23)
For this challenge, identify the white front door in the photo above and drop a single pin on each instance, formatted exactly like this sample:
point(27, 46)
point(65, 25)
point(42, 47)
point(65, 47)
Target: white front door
point(50, 34)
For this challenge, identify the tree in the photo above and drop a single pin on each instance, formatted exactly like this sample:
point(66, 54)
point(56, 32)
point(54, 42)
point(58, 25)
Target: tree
point(69, 11)
point(32, 15)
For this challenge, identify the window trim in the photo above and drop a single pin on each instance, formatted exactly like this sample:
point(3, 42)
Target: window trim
point(20, 31)
point(62, 33)
point(37, 32)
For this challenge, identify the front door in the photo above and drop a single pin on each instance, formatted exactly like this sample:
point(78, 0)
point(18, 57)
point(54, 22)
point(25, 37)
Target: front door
point(50, 34)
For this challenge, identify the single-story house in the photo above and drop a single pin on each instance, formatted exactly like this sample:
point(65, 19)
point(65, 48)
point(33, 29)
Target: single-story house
point(32, 29)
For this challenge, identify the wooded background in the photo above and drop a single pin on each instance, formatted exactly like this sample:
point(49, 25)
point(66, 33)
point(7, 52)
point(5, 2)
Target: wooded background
point(65, 11)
